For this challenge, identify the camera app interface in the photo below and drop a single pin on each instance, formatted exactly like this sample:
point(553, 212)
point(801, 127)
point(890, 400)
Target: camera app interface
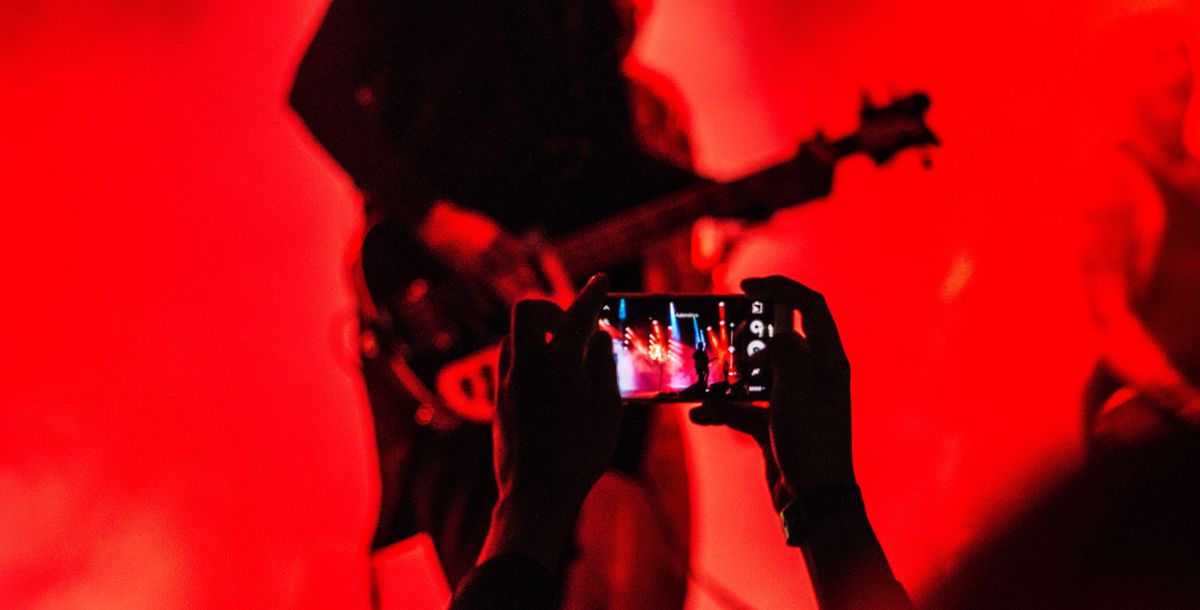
point(682, 348)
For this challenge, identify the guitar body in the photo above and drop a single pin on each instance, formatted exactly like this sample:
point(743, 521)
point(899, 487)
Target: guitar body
point(439, 333)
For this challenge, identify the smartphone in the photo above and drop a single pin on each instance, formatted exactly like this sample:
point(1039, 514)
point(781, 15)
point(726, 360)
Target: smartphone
point(683, 348)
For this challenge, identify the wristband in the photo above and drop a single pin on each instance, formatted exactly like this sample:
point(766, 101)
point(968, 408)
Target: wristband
point(801, 516)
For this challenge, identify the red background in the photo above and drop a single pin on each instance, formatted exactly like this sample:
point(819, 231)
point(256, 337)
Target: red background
point(182, 426)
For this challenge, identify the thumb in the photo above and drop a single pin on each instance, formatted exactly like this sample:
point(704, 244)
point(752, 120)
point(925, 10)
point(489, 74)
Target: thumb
point(601, 367)
point(741, 417)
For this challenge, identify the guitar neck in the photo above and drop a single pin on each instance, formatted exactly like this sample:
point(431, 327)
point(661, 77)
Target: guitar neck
point(624, 237)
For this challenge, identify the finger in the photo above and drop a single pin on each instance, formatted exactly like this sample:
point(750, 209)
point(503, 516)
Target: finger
point(793, 294)
point(601, 367)
point(760, 358)
point(786, 348)
point(764, 357)
point(809, 414)
point(743, 418)
point(531, 320)
point(818, 325)
point(579, 321)
point(793, 380)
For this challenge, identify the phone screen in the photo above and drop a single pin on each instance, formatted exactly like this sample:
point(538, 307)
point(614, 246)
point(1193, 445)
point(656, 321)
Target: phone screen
point(682, 348)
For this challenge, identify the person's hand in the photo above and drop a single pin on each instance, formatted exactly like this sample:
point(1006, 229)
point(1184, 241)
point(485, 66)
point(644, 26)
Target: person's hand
point(479, 250)
point(558, 410)
point(558, 418)
point(805, 432)
point(805, 436)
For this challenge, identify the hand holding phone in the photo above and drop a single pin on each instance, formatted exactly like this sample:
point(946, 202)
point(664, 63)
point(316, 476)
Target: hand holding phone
point(805, 431)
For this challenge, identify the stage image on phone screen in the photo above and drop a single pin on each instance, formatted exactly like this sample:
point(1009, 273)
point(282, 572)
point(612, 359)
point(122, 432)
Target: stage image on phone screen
point(680, 348)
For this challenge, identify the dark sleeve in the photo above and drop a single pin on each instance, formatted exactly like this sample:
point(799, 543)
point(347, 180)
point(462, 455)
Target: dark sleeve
point(506, 582)
point(847, 566)
point(358, 45)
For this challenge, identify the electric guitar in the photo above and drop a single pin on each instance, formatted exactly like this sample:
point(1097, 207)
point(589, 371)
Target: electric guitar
point(442, 347)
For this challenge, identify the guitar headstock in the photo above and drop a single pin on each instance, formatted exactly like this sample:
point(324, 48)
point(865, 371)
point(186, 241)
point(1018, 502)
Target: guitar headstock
point(887, 130)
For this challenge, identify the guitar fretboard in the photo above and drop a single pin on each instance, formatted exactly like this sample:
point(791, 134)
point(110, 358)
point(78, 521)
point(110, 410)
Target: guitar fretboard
point(624, 237)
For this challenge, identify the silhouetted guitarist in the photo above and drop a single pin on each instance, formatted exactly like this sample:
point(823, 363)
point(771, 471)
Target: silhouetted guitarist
point(465, 123)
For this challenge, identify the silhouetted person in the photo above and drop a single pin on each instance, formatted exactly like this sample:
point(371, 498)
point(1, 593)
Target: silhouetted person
point(1142, 249)
point(700, 359)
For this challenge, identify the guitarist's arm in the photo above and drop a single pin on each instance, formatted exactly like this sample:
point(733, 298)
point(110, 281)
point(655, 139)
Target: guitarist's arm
point(1115, 243)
